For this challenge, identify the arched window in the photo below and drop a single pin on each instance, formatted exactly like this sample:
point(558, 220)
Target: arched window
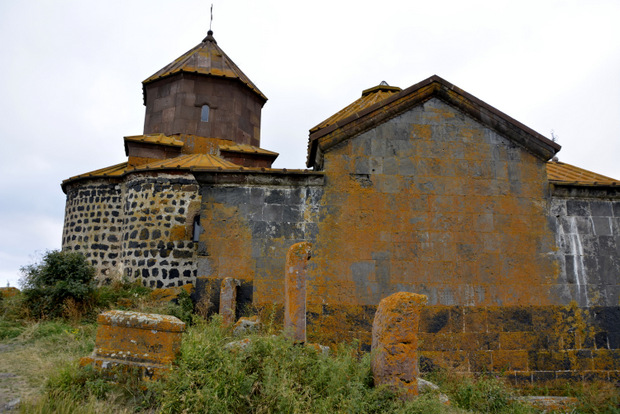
point(204, 113)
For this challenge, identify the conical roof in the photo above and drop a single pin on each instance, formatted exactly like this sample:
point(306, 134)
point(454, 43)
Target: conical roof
point(209, 59)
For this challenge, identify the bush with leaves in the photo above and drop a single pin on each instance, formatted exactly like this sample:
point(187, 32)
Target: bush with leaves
point(61, 278)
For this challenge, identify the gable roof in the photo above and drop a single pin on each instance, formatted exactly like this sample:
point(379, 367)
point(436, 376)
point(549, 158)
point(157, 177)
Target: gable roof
point(206, 58)
point(368, 114)
point(369, 97)
point(566, 174)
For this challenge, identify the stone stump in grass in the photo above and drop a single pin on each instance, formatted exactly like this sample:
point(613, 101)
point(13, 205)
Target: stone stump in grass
point(395, 342)
point(228, 300)
point(295, 274)
point(147, 343)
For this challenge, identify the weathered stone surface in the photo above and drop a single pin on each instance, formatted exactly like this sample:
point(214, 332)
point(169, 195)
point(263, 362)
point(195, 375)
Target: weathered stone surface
point(148, 342)
point(228, 300)
point(295, 291)
point(395, 341)
point(245, 325)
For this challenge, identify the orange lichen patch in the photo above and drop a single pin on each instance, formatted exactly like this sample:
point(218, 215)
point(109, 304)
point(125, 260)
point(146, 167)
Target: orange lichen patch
point(170, 294)
point(228, 240)
point(207, 58)
point(195, 144)
point(295, 275)
point(126, 340)
point(562, 173)
point(8, 292)
point(395, 342)
point(178, 233)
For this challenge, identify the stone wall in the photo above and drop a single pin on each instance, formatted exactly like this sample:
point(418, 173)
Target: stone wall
point(93, 224)
point(435, 203)
point(526, 343)
point(140, 228)
point(250, 220)
point(587, 229)
point(159, 212)
point(173, 106)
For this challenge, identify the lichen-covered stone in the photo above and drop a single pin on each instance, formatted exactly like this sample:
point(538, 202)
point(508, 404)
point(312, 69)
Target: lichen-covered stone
point(126, 340)
point(228, 300)
point(295, 290)
point(245, 325)
point(395, 342)
point(9, 291)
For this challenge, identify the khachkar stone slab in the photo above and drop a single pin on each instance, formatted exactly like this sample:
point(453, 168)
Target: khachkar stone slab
point(132, 340)
point(295, 274)
point(228, 300)
point(395, 342)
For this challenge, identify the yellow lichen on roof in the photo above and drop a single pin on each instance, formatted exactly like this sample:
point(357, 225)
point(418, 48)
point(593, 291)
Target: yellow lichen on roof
point(563, 173)
point(369, 97)
point(112, 171)
point(207, 58)
point(189, 161)
point(159, 139)
point(246, 149)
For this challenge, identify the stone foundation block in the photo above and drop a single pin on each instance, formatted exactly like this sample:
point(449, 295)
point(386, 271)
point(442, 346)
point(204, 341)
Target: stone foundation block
point(133, 340)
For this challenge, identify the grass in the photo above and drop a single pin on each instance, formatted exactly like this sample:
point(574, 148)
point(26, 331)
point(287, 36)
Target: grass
point(270, 375)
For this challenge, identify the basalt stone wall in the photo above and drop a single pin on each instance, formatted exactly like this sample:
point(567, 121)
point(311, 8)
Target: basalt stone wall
point(93, 224)
point(435, 203)
point(587, 228)
point(158, 226)
point(526, 344)
point(250, 220)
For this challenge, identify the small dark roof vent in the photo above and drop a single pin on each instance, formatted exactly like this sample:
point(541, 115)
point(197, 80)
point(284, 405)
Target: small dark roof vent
point(384, 83)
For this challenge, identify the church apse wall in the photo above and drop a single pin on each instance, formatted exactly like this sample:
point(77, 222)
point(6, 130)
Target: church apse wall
point(93, 224)
point(158, 226)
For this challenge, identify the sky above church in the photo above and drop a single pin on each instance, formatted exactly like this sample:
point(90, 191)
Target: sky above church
point(71, 73)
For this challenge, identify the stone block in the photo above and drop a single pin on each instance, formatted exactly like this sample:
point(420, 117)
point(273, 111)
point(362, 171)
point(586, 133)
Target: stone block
point(228, 300)
point(132, 340)
point(295, 275)
point(395, 342)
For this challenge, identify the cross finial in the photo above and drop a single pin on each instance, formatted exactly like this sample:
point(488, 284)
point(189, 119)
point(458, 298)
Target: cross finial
point(209, 37)
point(211, 21)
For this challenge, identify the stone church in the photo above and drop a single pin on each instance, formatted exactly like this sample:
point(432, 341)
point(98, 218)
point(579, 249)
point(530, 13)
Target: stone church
point(426, 189)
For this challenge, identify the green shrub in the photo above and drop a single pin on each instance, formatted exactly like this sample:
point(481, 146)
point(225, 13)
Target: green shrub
point(61, 279)
point(108, 296)
point(273, 375)
point(183, 308)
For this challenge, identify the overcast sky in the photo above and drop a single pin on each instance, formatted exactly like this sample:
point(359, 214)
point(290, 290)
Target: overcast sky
point(71, 73)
